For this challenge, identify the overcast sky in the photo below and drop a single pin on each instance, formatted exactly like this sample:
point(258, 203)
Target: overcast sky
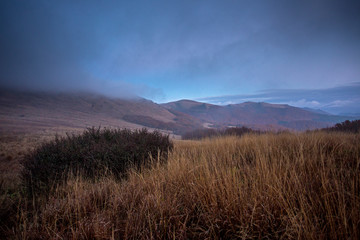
point(169, 50)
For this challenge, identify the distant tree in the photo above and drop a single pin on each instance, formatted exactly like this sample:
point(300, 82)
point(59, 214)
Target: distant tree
point(206, 133)
point(347, 126)
point(238, 131)
point(201, 133)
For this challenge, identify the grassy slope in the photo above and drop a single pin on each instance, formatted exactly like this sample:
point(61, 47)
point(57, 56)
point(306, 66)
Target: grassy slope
point(40, 112)
point(268, 186)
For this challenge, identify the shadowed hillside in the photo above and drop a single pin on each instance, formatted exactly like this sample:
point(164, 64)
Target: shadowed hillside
point(256, 115)
point(23, 112)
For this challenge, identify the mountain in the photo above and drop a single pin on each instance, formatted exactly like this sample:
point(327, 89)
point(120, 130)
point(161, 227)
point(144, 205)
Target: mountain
point(319, 111)
point(353, 114)
point(256, 115)
point(24, 112)
point(43, 112)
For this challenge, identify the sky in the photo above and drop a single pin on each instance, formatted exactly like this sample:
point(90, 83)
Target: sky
point(304, 53)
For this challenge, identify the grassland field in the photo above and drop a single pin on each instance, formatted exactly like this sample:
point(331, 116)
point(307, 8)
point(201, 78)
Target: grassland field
point(269, 186)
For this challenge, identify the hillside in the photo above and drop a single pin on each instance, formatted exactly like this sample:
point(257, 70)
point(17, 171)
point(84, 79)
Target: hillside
point(23, 112)
point(29, 112)
point(257, 115)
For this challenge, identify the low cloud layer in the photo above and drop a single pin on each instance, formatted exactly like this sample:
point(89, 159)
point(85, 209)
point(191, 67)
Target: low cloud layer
point(61, 46)
point(338, 100)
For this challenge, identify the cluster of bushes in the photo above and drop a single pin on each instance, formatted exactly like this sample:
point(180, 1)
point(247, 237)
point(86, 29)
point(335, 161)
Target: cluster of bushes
point(347, 126)
point(92, 154)
point(210, 132)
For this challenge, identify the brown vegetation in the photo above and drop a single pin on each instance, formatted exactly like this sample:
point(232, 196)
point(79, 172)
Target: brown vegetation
point(303, 186)
point(92, 154)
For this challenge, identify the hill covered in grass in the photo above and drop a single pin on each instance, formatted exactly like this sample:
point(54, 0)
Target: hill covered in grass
point(33, 112)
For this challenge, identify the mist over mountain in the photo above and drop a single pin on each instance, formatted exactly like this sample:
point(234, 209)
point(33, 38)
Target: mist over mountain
point(24, 112)
point(320, 111)
point(164, 51)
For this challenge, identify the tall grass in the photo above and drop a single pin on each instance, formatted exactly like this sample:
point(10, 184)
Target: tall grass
point(303, 186)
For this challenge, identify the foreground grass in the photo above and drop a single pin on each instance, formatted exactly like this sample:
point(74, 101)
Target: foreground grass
point(267, 186)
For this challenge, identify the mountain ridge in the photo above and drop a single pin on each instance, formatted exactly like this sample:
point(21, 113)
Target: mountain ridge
point(22, 111)
point(256, 114)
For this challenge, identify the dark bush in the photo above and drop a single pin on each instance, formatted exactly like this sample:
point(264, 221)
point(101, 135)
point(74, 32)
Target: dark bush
point(239, 131)
point(201, 133)
point(210, 132)
point(92, 154)
point(347, 126)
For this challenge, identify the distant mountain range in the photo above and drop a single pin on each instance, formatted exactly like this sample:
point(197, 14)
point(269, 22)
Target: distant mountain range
point(25, 112)
point(259, 115)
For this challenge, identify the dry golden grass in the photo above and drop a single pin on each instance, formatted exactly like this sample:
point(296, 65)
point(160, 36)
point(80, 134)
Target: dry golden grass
point(13, 147)
point(303, 186)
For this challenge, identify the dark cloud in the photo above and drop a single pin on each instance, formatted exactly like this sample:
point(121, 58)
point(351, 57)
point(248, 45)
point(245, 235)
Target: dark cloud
point(150, 47)
point(39, 48)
